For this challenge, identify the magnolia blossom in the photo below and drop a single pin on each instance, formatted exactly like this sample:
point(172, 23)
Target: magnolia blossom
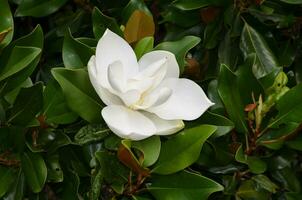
point(144, 97)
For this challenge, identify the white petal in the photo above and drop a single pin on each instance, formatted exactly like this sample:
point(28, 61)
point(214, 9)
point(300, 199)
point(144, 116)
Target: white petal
point(187, 102)
point(111, 48)
point(107, 97)
point(128, 123)
point(165, 127)
point(116, 76)
point(156, 98)
point(130, 97)
point(153, 56)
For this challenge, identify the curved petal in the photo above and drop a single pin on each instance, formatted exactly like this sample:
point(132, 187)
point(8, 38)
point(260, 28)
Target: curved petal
point(107, 97)
point(165, 127)
point(187, 102)
point(127, 123)
point(111, 48)
point(116, 76)
point(153, 56)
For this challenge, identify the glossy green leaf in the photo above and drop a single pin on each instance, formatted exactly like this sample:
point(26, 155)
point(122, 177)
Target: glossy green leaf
point(292, 1)
point(182, 150)
point(35, 170)
point(296, 143)
point(180, 48)
point(55, 108)
point(249, 190)
point(54, 171)
point(70, 185)
point(38, 8)
point(230, 96)
point(289, 112)
point(112, 170)
point(6, 25)
point(195, 4)
point(150, 149)
point(143, 46)
point(79, 93)
point(75, 54)
point(255, 164)
point(253, 42)
point(223, 124)
point(182, 185)
point(101, 22)
point(23, 112)
point(16, 192)
point(34, 39)
point(6, 177)
point(265, 183)
point(20, 58)
point(91, 133)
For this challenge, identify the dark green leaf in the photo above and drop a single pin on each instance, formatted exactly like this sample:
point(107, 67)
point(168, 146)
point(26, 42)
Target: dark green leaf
point(35, 170)
point(182, 150)
point(143, 46)
point(79, 93)
point(101, 22)
point(38, 8)
point(23, 112)
point(180, 48)
point(17, 190)
point(75, 54)
point(91, 133)
point(253, 42)
point(6, 179)
point(230, 96)
point(183, 185)
point(6, 25)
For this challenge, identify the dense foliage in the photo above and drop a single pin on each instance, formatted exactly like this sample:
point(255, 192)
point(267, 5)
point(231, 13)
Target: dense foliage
point(246, 54)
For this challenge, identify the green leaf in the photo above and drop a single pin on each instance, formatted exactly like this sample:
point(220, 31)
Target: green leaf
point(75, 54)
point(6, 25)
point(34, 39)
point(289, 107)
point(101, 22)
point(91, 133)
point(38, 8)
point(180, 48)
point(274, 138)
point(112, 170)
point(54, 171)
point(182, 185)
point(55, 108)
point(150, 149)
point(79, 93)
point(96, 184)
point(256, 165)
point(17, 190)
point(35, 170)
point(253, 42)
point(248, 190)
point(23, 112)
point(265, 183)
point(6, 179)
point(223, 124)
point(131, 7)
point(20, 58)
point(195, 4)
point(70, 185)
point(292, 1)
point(230, 96)
point(143, 46)
point(182, 150)
point(296, 143)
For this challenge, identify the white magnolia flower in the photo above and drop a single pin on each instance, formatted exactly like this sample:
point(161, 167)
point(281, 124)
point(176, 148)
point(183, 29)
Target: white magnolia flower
point(144, 97)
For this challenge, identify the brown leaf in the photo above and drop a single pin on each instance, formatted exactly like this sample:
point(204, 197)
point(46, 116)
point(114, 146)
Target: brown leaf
point(250, 107)
point(128, 159)
point(209, 14)
point(139, 25)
